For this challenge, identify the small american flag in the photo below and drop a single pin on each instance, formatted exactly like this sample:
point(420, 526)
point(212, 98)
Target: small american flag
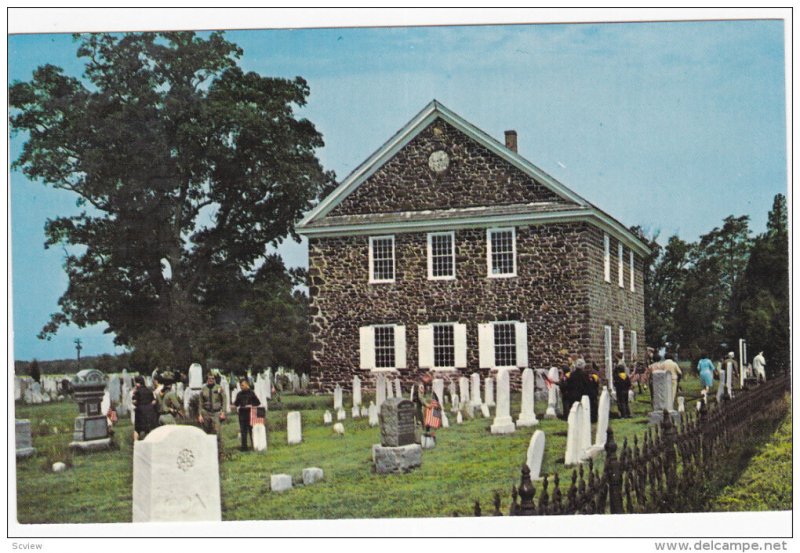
point(433, 415)
point(257, 415)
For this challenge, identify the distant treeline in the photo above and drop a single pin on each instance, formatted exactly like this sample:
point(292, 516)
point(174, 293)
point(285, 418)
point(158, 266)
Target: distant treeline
point(106, 363)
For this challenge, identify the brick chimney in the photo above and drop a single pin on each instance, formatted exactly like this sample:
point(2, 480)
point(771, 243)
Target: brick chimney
point(511, 140)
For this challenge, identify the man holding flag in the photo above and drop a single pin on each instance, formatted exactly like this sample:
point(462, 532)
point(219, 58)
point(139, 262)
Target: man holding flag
point(247, 402)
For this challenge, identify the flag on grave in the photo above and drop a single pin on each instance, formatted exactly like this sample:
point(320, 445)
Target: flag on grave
point(257, 415)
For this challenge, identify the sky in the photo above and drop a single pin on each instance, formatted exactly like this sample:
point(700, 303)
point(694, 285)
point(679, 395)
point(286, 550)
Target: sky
point(672, 125)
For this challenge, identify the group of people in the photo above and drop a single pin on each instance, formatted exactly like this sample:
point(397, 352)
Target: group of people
point(162, 406)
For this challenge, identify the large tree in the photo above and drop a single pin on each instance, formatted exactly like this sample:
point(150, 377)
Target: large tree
point(186, 167)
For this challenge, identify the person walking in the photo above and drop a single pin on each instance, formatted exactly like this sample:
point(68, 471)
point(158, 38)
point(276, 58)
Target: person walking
point(622, 386)
point(246, 400)
point(144, 414)
point(705, 367)
point(758, 366)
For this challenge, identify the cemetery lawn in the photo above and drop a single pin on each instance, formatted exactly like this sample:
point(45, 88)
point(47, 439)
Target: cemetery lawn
point(468, 464)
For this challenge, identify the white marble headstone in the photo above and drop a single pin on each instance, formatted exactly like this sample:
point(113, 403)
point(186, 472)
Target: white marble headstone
point(463, 389)
point(337, 398)
point(380, 389)
point(451, 387)
point(585, 436)
point(356, 391)
point(176, 476)
point(552, 393)
point(503, 423)
point(389, 389)
point(327, 418)
point(195, 376)
point(488, 391)
point(260, 437)
point(475, 389)
point(398, 390)
point(535, 454)
point(354, 412)
point(341, 415)
point(456, 403)
point(574, 420)
point(438, 389)
point(294, 432)
point(526, 416)
point(373, 414)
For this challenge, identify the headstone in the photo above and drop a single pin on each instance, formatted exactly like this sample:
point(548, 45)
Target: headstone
point(304, 381)
point(459, 418)
point(341, 415)
point(105, 403)
point(681, 404)
point(259, 437)
point(356, 391)
point(91, 426)
point(294, 431)
point(268, 388)
point(631, 396)
point(114, 389)
point(354, 412)
point(373, 414)
point(389, 389)
point(585, 436)
point(327, 418)
point(399, 459)
point(475, 389)
point(540, 385)
point(337, 398)
point(661, 388)
point(729, 378)
point(526, 415)
point(451, 388)
point(456, 404)
point(535, 454)
point(312, 475)
point(721, 386)
point(503, 423)
point(176, 476)
point(364, 411)
point(23, 439)
point(280, 482)
point(380, 389)
point(59, 467)
point(195, 376)
point(338, 428)
point(463, 389)
point(488, 391)
point(398, 390)
point(226, 390)
point(552, 393)
point(603, 412)
point(574, 420)
point(397, 423)
point(445, 420)
point(438, 390)
point(485, 411)
point(427, 441)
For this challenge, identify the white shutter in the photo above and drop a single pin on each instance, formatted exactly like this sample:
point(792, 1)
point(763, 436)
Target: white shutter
point(367, 348)
point(425, 338)
point(460, 341)
point(606, 258)
point(621, 255)
point(399, 347)
point(609, 361)
point(486, 345)
point(522, 344)
point(622, 339)
point(633, 289)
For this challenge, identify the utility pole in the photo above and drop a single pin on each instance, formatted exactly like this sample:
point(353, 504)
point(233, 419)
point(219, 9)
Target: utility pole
point(78, 348)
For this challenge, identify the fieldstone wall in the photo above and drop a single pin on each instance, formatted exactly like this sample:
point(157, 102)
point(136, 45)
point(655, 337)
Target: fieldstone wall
point(551, 293)
point(475, 177)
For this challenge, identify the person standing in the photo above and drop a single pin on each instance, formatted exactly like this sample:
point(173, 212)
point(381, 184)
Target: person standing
point(758, 366)
point(169, 406)
point(672, 367)
point(622, 386)
point(705, 367)
point(246, 400)
point(144, 404)
point(212, 406)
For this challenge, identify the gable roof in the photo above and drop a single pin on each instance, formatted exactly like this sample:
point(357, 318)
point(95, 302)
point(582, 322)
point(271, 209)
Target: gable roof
point(317, 223)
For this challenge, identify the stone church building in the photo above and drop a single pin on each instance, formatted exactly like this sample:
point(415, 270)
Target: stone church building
point(448, 251)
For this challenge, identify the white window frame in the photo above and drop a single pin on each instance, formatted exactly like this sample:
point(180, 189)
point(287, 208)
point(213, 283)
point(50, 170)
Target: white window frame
point(452, 236)
point(634, 345)
point(608, 348)
point(632, 261)
point(367, 348)
point(621, 256)
point(622, 339)
point(425, 341)
point(606, 258)
point(372, 279)
point(486, 346)
point(489, 233)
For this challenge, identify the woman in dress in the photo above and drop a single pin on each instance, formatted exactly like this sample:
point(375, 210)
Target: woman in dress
point(706, 369)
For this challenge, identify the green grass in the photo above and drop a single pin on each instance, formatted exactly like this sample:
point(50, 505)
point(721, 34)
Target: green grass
point(468, 464)
point(765, 484)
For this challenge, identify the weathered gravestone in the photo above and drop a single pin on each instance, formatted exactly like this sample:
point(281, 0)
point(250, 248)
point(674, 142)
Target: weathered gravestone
point(463, 389)
point(526, 416)
point(540, 385)
point(91, 427)
point(397, 451)
point(488, 391)
point(114, 389)
point(451, 388)
point(574, 420)
point(23, 439)
point(337, 398)
point(354, 411)
point(380, 389)
point(340, 415)
point(195, 376)
point(176, 476)
point(280, 482)
point(475, 389)
point(603, 412)
point(397, 423)
point(585, 436)
point(456, 404)
point(552, 393)
point(327, 418)
point(356, 391)
point(398, 390)
point(312, 475)
point(503, 423)
point(661, 388)
point(535, 454)
point(438, 389)
point(681, 404)
point(372, 413)
point(364, 411)
point(389, 389)
point(294, 428)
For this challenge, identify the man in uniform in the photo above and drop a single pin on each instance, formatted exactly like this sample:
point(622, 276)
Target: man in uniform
point(212, 406)
point(169, 406)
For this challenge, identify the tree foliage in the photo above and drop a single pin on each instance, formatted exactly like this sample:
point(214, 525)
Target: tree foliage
point(185, 167)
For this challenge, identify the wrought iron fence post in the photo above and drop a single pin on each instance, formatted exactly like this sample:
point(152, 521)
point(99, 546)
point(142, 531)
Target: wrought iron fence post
point(613, 475)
